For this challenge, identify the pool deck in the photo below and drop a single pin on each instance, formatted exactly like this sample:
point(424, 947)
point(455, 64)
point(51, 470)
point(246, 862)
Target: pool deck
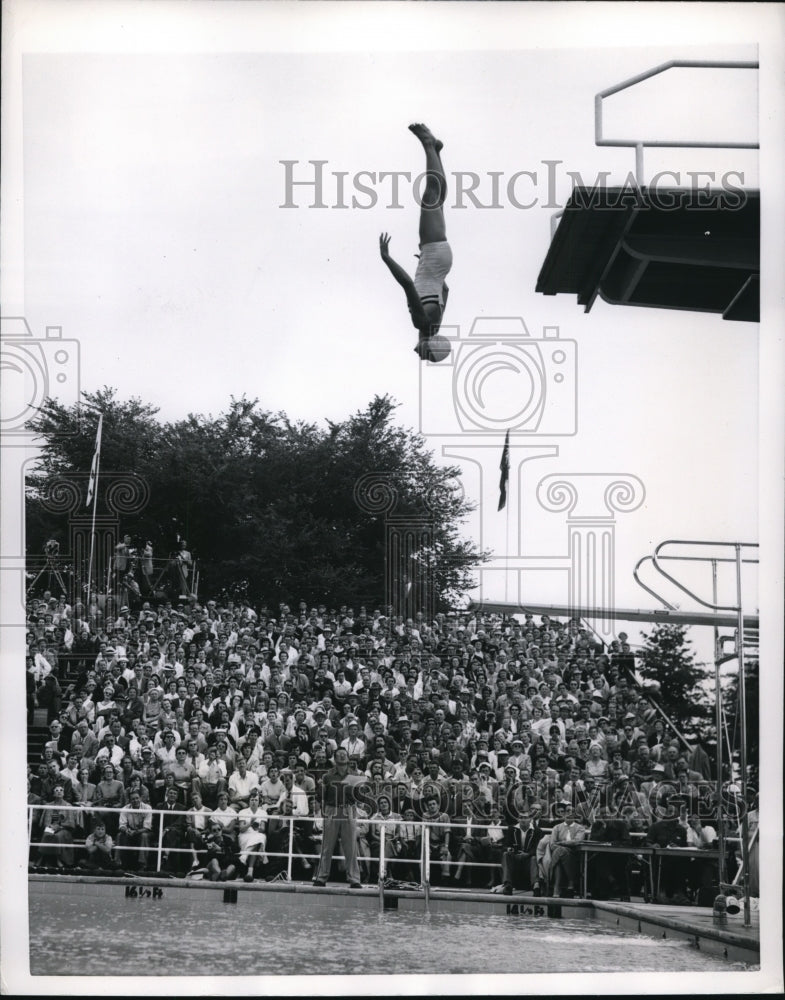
point(694, 924)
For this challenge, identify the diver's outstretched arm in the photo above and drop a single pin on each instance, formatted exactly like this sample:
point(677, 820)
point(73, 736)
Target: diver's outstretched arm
point(403, 279)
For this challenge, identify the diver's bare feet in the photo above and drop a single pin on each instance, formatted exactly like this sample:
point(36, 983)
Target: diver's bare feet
point(425, 136)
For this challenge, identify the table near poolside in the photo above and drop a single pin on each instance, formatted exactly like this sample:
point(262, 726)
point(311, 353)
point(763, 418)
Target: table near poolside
point(651, 853)
point(591, 848)
point(703, 853)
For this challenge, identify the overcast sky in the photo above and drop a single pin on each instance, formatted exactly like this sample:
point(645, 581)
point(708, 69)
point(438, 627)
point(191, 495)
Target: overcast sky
point(154, 233)
point(142, 214)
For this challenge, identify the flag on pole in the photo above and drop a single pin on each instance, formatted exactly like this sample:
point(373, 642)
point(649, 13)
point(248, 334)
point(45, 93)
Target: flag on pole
point(91, 486)
point(504, 465)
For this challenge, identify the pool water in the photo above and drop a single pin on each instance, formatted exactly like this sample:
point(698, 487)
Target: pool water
point(79, 935)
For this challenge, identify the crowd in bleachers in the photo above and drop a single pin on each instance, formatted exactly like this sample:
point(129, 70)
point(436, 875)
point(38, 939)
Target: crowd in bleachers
point(225, 716)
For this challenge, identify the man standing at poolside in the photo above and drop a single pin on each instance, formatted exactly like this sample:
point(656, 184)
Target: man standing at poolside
point(338, 810)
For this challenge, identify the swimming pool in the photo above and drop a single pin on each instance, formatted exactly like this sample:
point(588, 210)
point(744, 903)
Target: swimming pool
point(176, 935)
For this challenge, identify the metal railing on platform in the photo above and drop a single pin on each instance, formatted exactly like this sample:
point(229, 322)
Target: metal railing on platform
point(640, 144)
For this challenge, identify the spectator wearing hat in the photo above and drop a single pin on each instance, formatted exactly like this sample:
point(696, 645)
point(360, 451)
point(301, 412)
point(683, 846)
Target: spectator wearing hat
point(353, 743)
point(500, 759)
point(319, 720)
point(518, 751)
point(511, 793)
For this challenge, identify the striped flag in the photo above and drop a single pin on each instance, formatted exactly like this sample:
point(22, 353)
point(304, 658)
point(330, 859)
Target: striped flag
point(91, 486)
point(504, 465)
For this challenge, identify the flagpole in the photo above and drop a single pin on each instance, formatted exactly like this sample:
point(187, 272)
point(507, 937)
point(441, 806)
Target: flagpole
point(507, 554)
point(92, 492)
point(504, 466)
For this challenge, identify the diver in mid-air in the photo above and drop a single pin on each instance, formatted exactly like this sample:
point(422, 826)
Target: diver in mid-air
point(426, 294)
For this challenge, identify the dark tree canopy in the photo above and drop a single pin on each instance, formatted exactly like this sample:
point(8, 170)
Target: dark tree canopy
point(267, 504)
point(666, 658)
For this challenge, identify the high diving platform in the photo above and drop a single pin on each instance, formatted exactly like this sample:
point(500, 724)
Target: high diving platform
point(639, 244)
point(665, 249)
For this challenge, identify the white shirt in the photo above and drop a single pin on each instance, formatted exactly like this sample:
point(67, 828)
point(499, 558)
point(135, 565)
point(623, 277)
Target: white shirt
point(704, 838)
point(197, 818)
point(299, 801)
point(242, 786)
point(354, 746)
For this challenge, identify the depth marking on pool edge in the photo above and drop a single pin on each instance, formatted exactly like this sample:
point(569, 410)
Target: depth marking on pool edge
point(143, 892)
